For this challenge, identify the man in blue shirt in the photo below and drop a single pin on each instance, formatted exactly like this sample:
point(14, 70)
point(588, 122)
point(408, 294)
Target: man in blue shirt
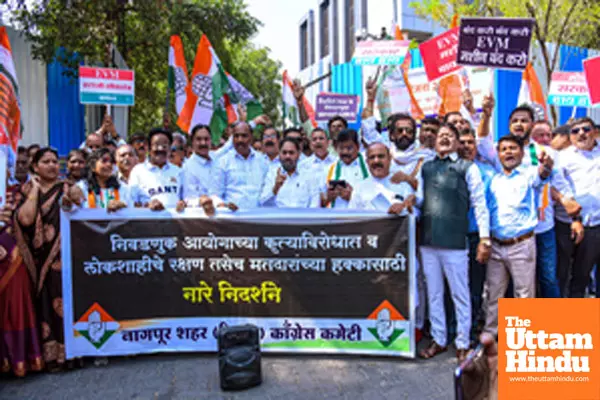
point(468, 150)
point(512, 202)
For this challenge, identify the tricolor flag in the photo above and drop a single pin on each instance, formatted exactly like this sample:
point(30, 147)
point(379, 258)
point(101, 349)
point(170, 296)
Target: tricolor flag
point(10, 109)
point(290, 106)
point(204, 103)
point(244, 97)
point(531, 92)
point(178, 74)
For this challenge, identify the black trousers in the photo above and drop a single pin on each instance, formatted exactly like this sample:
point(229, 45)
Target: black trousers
point(575, 263)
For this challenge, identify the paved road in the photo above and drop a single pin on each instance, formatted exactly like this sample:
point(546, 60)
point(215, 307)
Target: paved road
point(165, 377)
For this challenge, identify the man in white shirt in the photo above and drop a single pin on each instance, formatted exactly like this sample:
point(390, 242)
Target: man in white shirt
point(270, 145)
point(378, 192)
point(199, 169)
point(126, 160)
point(296, 134)
point(287, 186)
point(345, 174)
point(157, 184)
point(579, 249)
point(321, 158)
point(239, 174)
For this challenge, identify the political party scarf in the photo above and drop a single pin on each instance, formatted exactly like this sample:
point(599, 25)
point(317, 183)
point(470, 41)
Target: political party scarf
point(335, 172)
point(546, 189)
point(112, 195)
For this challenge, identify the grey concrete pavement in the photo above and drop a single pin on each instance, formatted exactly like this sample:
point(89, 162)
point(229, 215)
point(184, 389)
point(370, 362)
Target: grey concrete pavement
point(289, 377)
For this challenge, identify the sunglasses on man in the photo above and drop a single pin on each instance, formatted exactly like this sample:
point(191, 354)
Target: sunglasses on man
point(584, 129)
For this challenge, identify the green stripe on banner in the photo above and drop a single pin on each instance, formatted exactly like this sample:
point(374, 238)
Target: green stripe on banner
point(106, 98)
point(402, 344)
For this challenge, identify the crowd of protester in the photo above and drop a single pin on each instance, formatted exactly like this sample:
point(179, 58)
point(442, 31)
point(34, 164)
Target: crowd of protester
point(518, 218)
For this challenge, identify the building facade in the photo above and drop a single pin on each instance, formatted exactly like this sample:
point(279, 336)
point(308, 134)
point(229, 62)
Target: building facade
point(328, 31)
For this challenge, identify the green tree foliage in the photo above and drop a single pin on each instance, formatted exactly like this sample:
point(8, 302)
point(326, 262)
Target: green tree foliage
point(140, 29)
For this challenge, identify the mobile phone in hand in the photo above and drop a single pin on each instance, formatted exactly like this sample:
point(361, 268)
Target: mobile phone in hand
point(334, 183)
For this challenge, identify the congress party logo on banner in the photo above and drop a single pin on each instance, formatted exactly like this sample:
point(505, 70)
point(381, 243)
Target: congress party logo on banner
point(96, 325)
point(385, 328)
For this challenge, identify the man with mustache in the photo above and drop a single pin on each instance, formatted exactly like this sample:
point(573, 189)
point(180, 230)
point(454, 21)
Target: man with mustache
point(513, 214)
point(156, 183)
point(428, 132)
point(521, 124)
point(239, 174)
point(346, 173)
point(140, 144)
point(408, 158)
point(287, 186)
point(321, 158)
point(451, 186)
point(377, 192)
point(270, 145)
point(577, 255)
point(298, 136)
point(126, 160)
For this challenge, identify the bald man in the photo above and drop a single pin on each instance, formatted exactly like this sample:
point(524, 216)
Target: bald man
point(377, 192)
point(239, 174)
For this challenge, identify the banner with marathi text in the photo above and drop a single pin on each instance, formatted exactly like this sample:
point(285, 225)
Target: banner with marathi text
point(313, 281)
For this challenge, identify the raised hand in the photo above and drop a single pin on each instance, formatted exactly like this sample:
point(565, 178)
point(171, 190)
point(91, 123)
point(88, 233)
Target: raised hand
point(371, 88)
point(279, 181)
point(298, 89)
point(488, 104)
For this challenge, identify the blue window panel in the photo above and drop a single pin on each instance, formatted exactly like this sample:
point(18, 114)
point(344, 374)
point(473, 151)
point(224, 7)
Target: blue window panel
point(66, 122)
point(507, 87)
point(347, 79)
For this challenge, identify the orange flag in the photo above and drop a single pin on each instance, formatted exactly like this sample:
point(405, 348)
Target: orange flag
point(454, 22)
point(415, 108)
point(531, 90)
point(398, 35)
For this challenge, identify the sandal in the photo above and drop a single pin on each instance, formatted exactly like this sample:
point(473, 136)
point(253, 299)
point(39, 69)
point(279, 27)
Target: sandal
point(433, 350)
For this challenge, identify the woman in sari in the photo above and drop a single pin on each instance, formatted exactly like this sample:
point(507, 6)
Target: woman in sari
point(38, 236)
point(20, 349)
point(101, 188)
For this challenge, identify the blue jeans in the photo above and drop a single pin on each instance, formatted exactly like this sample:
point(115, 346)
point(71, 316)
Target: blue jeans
point(546, 264)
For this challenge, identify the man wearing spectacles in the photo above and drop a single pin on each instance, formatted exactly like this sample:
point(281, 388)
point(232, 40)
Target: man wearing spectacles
point(178, 149)
point(577, 255)
point(270, 145)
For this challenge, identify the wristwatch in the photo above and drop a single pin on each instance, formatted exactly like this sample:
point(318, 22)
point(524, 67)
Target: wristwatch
point(486, 242)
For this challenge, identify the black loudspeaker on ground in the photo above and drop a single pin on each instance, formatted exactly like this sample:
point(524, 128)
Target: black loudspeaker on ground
point(239, 357)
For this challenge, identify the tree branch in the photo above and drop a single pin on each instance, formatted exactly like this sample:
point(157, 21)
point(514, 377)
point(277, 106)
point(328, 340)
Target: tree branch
point(559, 38)
point(547, 19)
point(541, 41)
